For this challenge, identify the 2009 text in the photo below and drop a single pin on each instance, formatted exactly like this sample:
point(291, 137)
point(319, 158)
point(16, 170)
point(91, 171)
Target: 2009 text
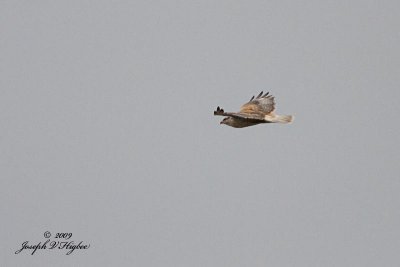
point(63, 235)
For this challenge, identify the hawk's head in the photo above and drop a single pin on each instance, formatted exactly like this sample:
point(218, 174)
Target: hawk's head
point(227, 121)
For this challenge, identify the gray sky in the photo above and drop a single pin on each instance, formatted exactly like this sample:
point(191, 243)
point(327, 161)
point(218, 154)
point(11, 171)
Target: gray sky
point(107, 132)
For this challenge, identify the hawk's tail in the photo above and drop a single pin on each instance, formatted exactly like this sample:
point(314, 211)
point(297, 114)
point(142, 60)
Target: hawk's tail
point(283, 118)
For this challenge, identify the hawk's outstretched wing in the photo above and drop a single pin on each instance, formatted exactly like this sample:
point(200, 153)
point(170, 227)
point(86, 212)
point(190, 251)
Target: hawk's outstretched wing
point(261, 105)
point(251, 117)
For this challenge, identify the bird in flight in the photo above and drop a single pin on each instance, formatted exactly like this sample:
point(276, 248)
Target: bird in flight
point(258, 110)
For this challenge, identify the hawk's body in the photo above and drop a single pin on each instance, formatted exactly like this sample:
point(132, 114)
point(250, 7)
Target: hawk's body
point(258, 110)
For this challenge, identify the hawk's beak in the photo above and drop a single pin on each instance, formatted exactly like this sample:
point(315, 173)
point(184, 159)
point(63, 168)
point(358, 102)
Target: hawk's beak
point(221, 122)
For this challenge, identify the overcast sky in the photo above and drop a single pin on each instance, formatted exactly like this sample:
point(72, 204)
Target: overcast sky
point(108, 133)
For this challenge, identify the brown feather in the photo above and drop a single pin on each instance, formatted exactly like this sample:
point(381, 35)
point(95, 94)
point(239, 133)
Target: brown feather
point(261, 105)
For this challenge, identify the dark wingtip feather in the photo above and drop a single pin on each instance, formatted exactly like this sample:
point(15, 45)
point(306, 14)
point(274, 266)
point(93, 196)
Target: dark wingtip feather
point(218, 111)
point(260, 94)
